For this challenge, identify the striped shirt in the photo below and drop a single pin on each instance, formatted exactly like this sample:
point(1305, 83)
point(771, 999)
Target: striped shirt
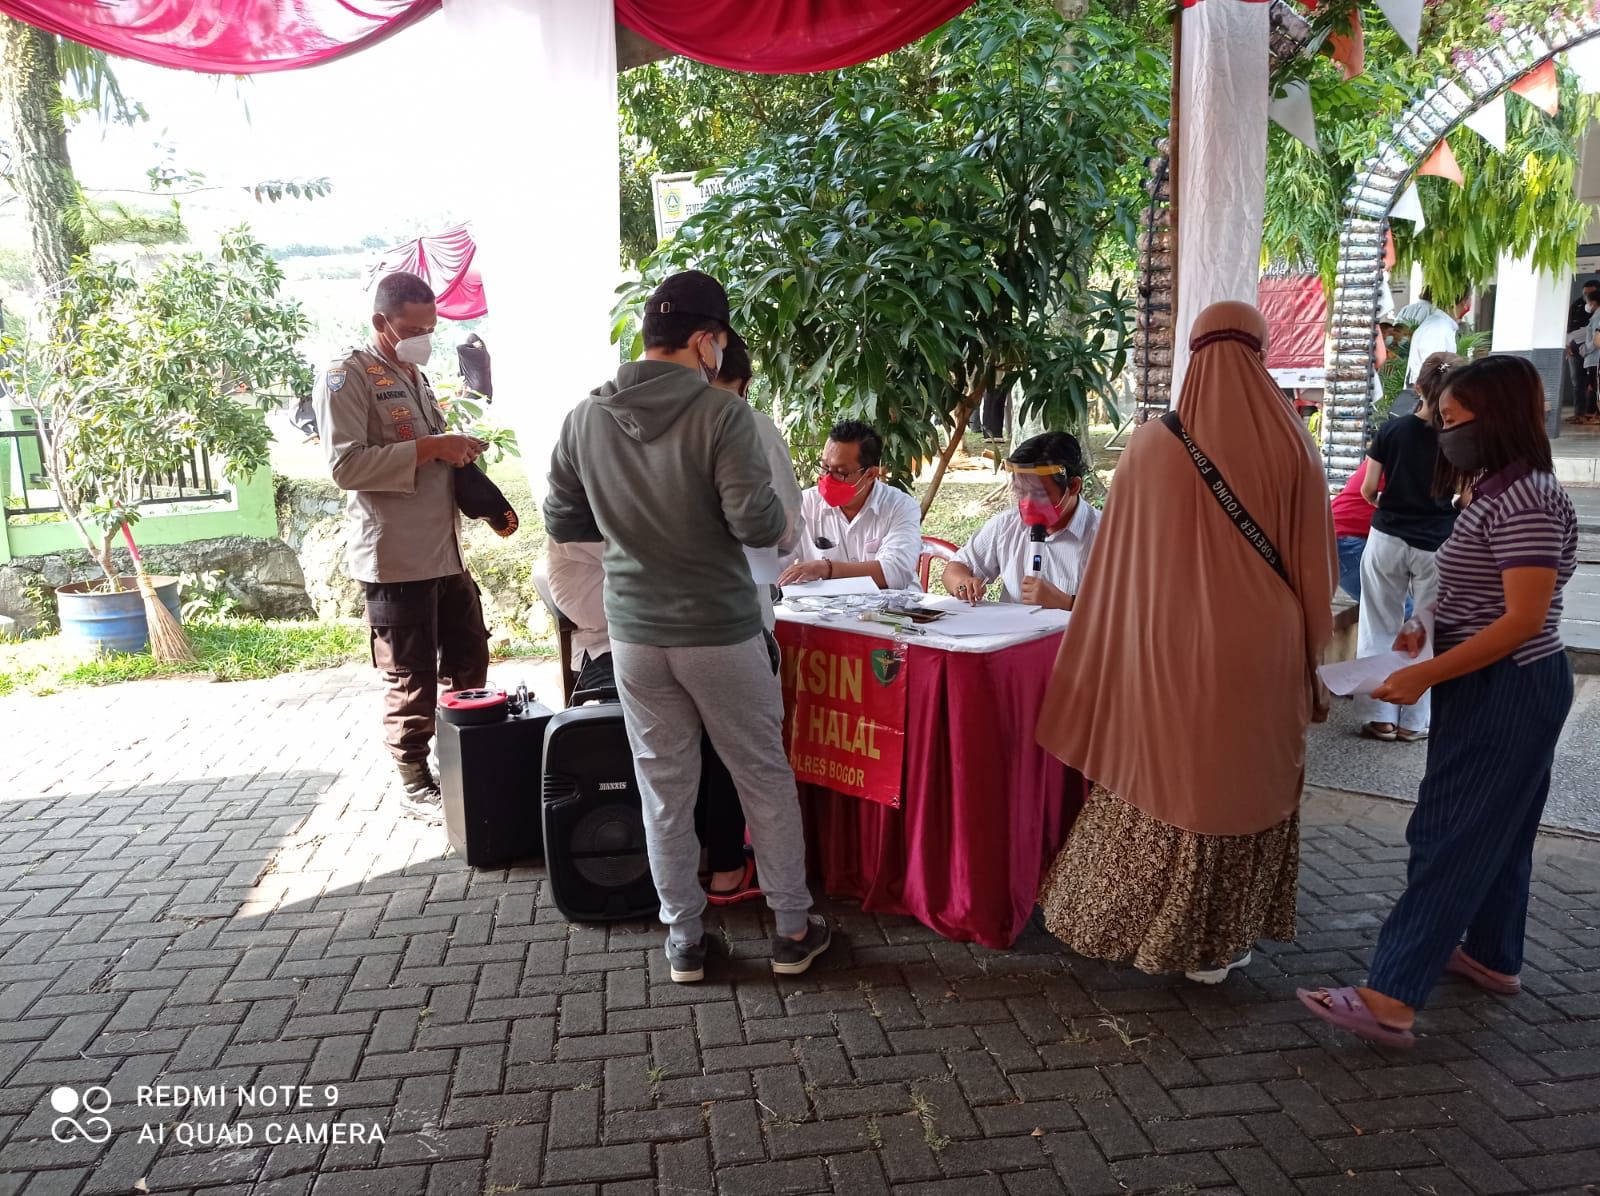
point(1517, 519)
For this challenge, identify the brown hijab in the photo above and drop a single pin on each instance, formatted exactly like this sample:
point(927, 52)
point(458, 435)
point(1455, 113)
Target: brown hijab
point(1186, 678)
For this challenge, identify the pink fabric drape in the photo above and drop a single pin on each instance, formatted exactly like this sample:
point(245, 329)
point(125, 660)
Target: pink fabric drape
point(250, 36)
point(446, 263)
point(227, 37)
point(984, 809)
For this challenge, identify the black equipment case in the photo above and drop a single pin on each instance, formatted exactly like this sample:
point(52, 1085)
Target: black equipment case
point(489, 776)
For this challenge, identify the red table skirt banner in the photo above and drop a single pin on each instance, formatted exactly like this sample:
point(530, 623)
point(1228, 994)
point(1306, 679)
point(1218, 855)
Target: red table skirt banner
point(844, 700)
point(984, 810)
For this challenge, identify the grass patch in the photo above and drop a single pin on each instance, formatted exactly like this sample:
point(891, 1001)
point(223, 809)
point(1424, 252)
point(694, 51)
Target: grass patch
point(228, 650)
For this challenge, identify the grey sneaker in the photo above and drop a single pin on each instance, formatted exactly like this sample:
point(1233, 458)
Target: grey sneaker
point(687, 961)
point(419, 793)
point(790, 957)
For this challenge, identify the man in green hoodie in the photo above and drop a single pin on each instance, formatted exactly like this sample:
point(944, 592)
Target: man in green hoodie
point(669, 472)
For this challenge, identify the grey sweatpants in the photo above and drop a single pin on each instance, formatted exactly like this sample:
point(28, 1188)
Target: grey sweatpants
point(668, 694)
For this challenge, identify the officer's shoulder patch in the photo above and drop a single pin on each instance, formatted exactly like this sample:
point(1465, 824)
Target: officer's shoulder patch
point(335, 380)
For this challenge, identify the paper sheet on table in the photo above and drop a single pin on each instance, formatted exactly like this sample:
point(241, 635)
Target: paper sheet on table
point(765, 565)
point(829, 586)
point(992, 618)
point(1358, 678)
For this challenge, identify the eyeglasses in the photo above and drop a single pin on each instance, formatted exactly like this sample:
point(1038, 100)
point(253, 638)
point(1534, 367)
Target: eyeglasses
point(846, 475)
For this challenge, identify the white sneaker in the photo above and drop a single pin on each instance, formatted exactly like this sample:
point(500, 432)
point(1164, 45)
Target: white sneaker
point(1218, 975)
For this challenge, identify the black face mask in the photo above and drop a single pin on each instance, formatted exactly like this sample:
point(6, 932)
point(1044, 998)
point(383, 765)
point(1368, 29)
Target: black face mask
point(1461, 448)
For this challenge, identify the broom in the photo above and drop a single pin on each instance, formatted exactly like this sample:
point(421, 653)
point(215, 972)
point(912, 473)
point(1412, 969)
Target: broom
point(168, 643)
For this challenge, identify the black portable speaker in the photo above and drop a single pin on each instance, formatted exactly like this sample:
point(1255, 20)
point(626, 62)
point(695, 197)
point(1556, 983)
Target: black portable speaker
point(489, 776)
point(594, 848)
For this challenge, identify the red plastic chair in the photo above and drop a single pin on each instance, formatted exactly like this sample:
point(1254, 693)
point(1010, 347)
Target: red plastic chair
point(933, 547)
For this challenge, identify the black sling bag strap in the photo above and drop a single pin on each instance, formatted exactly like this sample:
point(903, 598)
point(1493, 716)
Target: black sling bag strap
point(1227, 499)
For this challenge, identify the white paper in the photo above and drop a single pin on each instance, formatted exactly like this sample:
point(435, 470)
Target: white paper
point(992, 618)
point(1409, 207)
point(830, 586)
point(1359, 677)
point(765, 565)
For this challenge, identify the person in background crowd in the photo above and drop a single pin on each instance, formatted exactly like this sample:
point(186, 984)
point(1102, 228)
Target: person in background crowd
point(1439, 333)
point(668, 471)
point(1583, 351)
point(472, 359)
point(1502, 690)
point(735, 377)
point(386, 445)
point(1201, 658)
point(577, 584)
point(1047, 485)
point(1407, 528)
point(1352, 523)
point(855, 523)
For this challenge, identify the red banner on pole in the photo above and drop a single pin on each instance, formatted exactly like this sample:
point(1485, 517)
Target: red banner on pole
point(844, 710)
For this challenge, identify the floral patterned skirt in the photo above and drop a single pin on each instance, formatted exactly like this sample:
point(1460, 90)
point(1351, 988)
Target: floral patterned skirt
point(1129, 888)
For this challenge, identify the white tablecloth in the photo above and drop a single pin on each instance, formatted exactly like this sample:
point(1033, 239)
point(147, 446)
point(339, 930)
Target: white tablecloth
point(1050, 623)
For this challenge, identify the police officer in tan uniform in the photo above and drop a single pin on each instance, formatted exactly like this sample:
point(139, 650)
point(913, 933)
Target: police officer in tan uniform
point(388, 448)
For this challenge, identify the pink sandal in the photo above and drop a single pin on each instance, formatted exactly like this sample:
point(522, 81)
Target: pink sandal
point(1345, 1010)
point(1463, 965)
point(746, 890)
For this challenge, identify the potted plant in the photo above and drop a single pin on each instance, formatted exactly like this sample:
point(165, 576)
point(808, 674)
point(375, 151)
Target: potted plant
point(129, 377)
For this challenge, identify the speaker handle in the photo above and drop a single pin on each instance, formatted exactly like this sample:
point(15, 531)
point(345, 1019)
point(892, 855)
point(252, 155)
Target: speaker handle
point(594, 693)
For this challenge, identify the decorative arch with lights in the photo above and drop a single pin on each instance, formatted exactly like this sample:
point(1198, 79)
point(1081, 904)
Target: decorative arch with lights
point(1378, 184)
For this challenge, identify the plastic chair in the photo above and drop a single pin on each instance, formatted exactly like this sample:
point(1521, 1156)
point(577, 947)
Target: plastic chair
point(564, 629)
point(933, 548)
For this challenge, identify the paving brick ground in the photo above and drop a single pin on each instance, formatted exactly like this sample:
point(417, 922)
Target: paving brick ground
point(200, 885)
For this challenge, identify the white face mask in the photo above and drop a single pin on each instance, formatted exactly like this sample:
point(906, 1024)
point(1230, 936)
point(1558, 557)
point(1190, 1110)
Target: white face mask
point(413, 350)
point(710, 373)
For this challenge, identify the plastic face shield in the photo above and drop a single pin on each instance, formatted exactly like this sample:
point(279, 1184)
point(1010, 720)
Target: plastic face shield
point(1028, 491)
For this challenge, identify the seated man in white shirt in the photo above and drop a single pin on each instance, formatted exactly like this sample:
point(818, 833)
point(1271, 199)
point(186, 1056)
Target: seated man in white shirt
point(1047, 486)
point(856, 524)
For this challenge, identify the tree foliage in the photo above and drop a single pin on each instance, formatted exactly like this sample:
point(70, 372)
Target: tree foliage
point(1521, 202)
point(129, 376)
point(931, 234)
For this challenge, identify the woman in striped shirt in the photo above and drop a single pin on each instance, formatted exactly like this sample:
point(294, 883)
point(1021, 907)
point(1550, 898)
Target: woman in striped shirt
point(1502, 688)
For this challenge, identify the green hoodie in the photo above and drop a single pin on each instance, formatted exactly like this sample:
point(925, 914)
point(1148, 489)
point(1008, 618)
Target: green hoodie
point(670, 473)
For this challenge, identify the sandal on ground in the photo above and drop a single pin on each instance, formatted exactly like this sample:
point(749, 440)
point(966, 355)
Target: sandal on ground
point(746, 890)
point(1218, 975)
point(1384, 732)
point(1406, 735)
point(1344, 1009)
point(1463, 965)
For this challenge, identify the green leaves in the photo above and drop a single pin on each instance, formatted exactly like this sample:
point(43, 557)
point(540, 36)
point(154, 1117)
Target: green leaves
point(932, 229)
point(134, 375)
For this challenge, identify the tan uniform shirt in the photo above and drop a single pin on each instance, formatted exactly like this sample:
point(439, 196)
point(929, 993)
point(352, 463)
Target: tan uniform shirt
point(403, 520)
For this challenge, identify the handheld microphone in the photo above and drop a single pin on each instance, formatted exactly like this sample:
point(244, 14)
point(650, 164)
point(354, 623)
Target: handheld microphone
point(1036, 533)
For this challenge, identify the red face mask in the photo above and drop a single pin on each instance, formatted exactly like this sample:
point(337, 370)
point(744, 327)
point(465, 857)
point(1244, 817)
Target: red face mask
point(834, 492)
point(1037, 512)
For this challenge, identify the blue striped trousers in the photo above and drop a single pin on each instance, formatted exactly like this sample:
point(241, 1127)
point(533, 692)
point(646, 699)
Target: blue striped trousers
point(1472, 833)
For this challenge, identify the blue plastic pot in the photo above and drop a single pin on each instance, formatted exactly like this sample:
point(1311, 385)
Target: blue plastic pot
point(102, 622)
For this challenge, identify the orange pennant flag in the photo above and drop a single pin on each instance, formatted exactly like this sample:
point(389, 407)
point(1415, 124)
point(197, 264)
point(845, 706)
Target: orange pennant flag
point(1380, 350)
point(1442, 164)
point(1388, 249)
point(1541, 88)
point(1350, 50)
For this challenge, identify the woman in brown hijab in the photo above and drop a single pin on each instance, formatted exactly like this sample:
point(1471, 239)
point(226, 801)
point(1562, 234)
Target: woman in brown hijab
point(1187, 675)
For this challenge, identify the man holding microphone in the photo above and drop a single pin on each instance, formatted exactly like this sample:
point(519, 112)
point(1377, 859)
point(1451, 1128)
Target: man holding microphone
point(1052, 525)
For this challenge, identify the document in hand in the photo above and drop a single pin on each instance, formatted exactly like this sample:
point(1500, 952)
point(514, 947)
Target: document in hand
point(1358, 678)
